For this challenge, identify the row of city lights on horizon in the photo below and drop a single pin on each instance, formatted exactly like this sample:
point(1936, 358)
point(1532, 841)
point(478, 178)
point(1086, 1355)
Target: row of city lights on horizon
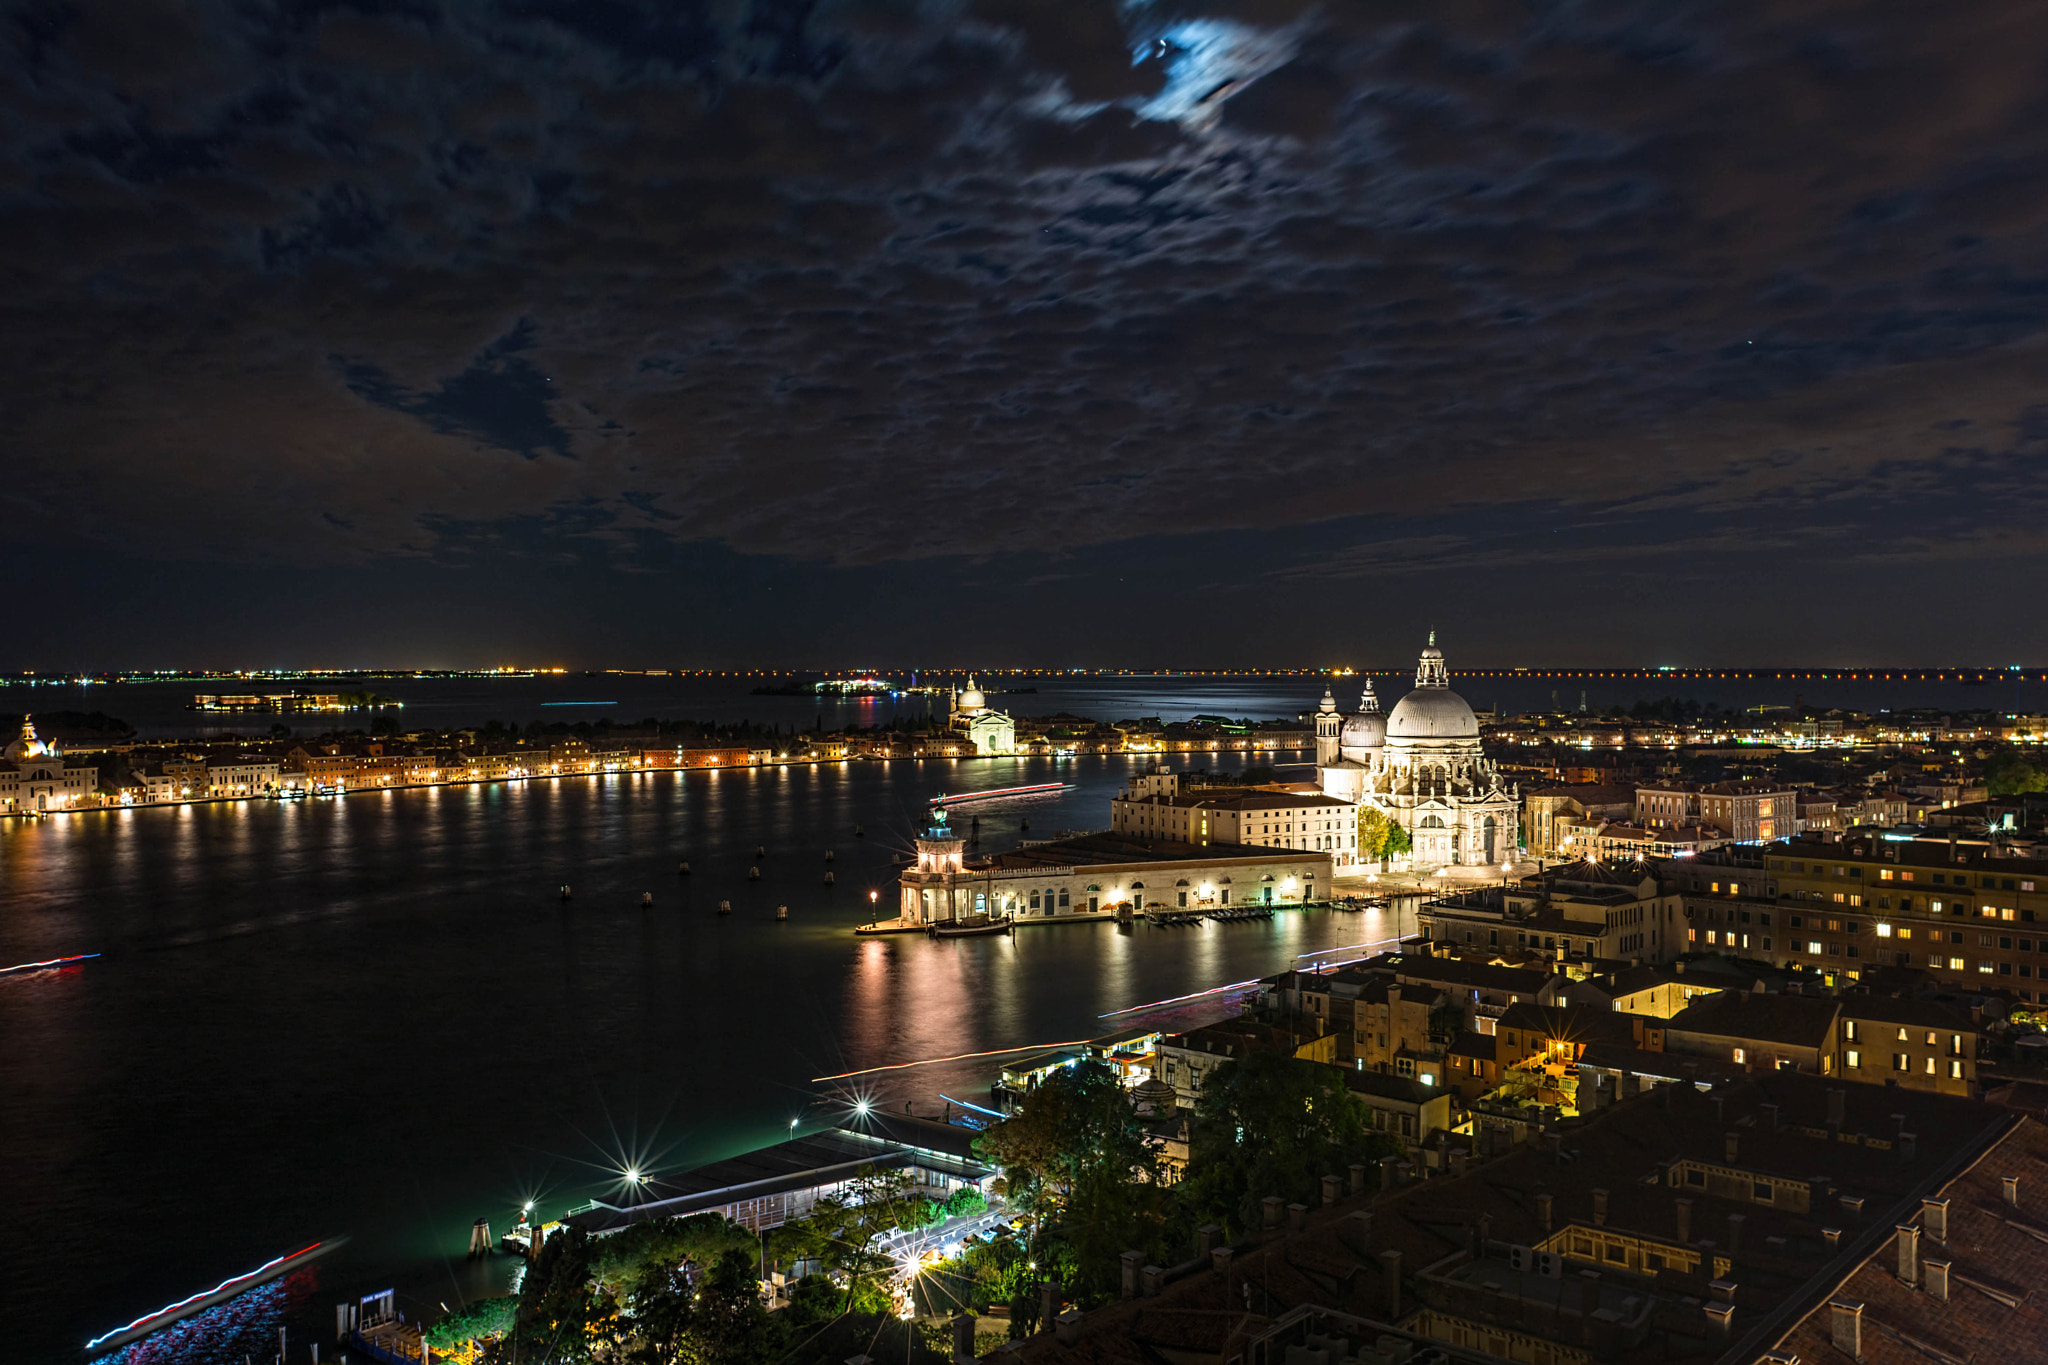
point(1940, 674)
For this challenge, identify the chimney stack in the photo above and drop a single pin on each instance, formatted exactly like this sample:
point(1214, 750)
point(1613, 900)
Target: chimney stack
point(1845, 1321)
point(1048, 1303)
point(1207, 1238)
point(1543, 1210)
point(1589, 1292)
point(963, 1337)
point(1836, 1097)
point(1333, 1189)
point(1683, 1207)
point(1735, 1222)
point(1386, 1173)
point(1130, 1261)
point(1153, 1278)
point(1297, 1217)
point(1269, 1211)
point(2012, 1189)
point(1390, 1274)
point(1908, 1146)
point(1599, 1208)
point(1721, 1317)
point(1909, 1254)
point(1769, 1111)
point(1937, 1278)
point(1934, 1218)
point(1358, 1177)
point(1731, 1144)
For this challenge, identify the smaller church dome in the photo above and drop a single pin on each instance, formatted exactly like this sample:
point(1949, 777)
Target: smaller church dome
point(28, 746)
point(972, 699)
point(1367, 731)
point(1154, 1096)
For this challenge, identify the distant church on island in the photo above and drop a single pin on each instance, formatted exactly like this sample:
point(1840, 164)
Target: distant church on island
point(1170, 848)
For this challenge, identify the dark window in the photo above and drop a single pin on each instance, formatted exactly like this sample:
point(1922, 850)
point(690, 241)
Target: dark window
point(1695, 1177)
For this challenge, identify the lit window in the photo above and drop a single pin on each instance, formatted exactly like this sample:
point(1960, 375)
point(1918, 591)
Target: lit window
point(1884, 931)
point(1741, 1055)
point(1855, 1059)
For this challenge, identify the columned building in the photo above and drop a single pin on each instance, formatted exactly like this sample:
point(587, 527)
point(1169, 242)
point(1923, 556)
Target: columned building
point(1422, 766)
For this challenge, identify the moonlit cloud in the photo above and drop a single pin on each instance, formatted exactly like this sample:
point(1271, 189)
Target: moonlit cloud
point(866, 292)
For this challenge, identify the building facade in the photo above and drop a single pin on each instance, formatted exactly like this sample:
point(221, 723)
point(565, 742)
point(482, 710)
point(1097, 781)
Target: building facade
point(1153, 806)
point(35, 777)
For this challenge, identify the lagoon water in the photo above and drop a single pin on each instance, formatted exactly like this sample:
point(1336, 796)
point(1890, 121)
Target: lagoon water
point(375, 1016)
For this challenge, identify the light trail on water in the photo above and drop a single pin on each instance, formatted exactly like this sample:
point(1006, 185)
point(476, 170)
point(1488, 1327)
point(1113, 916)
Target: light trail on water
point(957, 1057)
point(52, 962)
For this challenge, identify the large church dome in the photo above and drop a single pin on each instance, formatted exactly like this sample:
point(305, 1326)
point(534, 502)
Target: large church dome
point(1432, 710)
point(1432, 713)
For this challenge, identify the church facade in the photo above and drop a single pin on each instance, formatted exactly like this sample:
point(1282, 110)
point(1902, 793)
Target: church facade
point(35, 777)
point(1421, 765)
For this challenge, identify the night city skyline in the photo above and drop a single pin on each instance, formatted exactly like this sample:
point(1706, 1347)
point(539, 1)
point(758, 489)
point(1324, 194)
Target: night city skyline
point(1224, 335)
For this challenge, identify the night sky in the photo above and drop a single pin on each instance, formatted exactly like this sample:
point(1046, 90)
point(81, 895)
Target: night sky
point(601, 333)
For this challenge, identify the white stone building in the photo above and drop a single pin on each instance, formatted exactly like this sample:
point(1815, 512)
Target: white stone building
point(1423, 767)
point(35, 777)
point(989, 730)
point(1153, 806)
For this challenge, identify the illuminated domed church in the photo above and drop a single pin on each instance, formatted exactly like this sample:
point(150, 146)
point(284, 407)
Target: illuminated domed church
point(991, 731)
point(1422, 766)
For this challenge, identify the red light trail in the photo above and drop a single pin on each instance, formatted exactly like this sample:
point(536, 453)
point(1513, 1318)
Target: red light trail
point(41, 966)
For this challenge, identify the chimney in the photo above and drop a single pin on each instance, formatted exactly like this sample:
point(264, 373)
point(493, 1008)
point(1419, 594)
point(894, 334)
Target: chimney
point(1048, 1303)
point(1770, 1117)
point(1934, 1218)
point(1683, 1208)
point(1390, 1276)
point(2012, 1189)
point(1845, 1320)
point(1937, 1278)
point(1269, 1211)
point(1130, 1262)
point(1908, 1146)
point(1817, 1187)
point(1207, 1238)
point(1722, 1290)
point(1356, 1230)
point(1909, 1254)
point(1543, 1210)
point(1067, 1326)
point(1153, 1278)
point(1735, 1222)
point(1457, 1161)
point(1721, 1317)
point(1835, 1099)
point(1720, 1109)
point(1833, 1237)
point(1386, 1173)
point(1219, 1258)
point(1589, 1292)
point(1297, 1218)
point(1599, 1208)
point(1333, 1189)
point(963, 1338)
point(1731, 1142)
point(1358, 1177)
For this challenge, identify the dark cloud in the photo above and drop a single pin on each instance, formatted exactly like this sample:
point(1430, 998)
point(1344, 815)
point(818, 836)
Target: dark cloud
point(878, 283)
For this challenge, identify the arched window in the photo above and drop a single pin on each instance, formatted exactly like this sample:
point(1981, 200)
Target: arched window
point(1432, 822)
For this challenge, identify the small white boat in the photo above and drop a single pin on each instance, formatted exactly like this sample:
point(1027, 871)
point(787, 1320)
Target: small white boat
point(782, 912)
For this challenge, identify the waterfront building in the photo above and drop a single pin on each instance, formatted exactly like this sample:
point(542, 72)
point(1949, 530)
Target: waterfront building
point(1187, 1059)
point(1423, 767)
point(242, 775)
point(34, 776)
point(1154, 805)
point(773, 1185)
point(1552, 815)
point(1099, 875)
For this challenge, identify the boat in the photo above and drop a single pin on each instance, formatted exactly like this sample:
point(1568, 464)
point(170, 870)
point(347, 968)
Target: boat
point(753, 874)
point(974, 926)
point(725, 907)
point(782, 912)
point(828, 855)
point(760, 850)
point(683, 868)
point(646, 900)
point(859, 832)
point(828, 879)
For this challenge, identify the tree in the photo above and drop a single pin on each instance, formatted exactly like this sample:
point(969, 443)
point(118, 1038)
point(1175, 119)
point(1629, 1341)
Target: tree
point(1272, 1124)
point(1373, 828)
point(622, 1260)
point(558, 1305)
point(2010, 774)
point(731, 1325)
point(484, 1318)
point(1399, 845)
point(1076, 1157)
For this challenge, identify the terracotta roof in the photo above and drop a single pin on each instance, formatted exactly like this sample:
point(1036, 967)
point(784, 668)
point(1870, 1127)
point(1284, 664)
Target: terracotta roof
point(1998, 1259)
point(1790, 1020)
